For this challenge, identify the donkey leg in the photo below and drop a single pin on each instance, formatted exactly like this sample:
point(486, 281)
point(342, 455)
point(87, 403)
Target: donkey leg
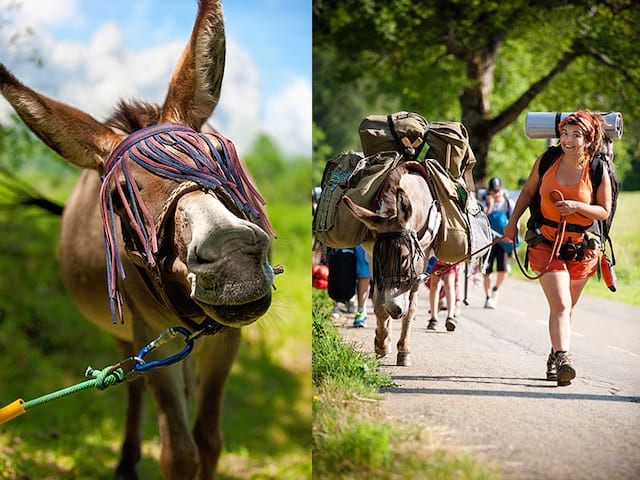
point(404, 350)
point(178, 452)
point(131, 445)
point(383, 331)
point(214, 357)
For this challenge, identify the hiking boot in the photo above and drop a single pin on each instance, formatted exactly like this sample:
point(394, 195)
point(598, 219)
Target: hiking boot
point(451, 324)
point(360, 321)
point(564, 369)
point(433, 323)
point(551, 366)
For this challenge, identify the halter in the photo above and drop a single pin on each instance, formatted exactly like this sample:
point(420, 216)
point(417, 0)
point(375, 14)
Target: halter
point(387, 248)
point(163, 150)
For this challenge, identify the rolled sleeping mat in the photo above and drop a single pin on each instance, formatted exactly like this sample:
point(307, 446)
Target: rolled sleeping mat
point(545, 124)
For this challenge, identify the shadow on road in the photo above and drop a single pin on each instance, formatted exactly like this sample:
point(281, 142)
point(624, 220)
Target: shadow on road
point(510, 381)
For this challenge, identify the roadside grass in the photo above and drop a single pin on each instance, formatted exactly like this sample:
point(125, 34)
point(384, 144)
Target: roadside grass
point(352, 437)
point(625, 233)
point(47, 345)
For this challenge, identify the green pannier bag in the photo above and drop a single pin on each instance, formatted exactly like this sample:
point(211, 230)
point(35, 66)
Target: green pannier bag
point(465, 228)
point(349, 174)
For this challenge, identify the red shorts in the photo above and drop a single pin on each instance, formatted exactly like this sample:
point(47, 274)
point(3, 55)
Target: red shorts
point(539, 256)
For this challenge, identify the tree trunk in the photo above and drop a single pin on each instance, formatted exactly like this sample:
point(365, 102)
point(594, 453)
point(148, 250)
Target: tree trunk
point(475, 105)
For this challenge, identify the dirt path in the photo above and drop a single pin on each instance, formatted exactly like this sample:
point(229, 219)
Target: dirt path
point(483, 386)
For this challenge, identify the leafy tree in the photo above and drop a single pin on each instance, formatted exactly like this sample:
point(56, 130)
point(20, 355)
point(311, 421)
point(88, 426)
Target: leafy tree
point(497, 59)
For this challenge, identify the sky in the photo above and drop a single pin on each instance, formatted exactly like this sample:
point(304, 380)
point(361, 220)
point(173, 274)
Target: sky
point(94, 52)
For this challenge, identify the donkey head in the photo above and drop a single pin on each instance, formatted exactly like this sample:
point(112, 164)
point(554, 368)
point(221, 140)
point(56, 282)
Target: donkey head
point(188, 215)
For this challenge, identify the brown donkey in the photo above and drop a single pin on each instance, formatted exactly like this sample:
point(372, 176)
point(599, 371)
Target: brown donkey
point(404, 226)
point(178, 216)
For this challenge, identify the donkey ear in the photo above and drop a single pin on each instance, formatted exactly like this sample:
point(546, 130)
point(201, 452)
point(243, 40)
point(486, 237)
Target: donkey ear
point(372, 220)
point(405, 210)
point(76, 136)
point(194, 90)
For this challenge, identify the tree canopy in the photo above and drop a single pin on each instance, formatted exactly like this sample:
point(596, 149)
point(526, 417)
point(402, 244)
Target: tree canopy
point(484, 63)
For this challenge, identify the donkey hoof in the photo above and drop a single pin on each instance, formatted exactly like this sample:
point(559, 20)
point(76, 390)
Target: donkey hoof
point(380, 353)
point(404, 359)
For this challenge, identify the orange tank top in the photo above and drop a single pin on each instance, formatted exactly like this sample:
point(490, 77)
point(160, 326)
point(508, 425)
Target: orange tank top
point(581, 192)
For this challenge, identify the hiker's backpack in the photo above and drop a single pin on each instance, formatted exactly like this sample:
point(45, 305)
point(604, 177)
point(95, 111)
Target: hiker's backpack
point(415, 138)
point(342, 274)
point(498, 219)
point(349, 174)
point(598, 165)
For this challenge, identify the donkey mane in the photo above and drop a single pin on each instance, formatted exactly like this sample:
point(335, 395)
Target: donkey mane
point(132, 115)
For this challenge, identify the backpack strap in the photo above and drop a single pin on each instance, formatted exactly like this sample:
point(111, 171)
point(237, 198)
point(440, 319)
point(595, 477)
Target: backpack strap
point(399, 146)
point(547, 159)
point(596, 171)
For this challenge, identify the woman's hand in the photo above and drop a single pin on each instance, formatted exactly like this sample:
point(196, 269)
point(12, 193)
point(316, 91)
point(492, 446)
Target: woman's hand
point(511, 231)
point(567, 207)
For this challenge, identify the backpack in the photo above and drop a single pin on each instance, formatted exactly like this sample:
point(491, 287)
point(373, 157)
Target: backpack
point(342, 274)
point(319, 276)
point(598, 164)
point(498, 219)
point(349, 174)
point(409, 133)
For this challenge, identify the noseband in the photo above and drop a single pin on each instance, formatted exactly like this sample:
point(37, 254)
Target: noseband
point(179, 153)
point(388, 270)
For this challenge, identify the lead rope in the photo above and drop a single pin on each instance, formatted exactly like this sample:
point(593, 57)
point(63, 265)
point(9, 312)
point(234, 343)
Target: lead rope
point(113, 374)
point(556, 196)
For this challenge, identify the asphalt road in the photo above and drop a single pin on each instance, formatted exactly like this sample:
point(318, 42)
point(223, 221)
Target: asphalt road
point(483, 388)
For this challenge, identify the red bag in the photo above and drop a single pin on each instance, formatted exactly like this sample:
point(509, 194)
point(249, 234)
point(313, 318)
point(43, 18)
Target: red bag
point(320, 276)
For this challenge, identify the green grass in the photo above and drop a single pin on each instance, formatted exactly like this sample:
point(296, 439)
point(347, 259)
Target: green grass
point(352, 438)
point(46, 345)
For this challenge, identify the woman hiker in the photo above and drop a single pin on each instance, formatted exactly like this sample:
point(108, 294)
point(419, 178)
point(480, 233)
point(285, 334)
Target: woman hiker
point(565, 194)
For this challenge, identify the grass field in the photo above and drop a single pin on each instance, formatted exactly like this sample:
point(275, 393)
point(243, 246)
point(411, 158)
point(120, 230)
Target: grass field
point(46, 345)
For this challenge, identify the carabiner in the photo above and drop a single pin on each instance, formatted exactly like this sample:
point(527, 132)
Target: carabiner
point(142, 366)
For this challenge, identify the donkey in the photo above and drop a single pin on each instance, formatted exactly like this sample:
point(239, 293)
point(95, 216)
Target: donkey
point(173, 209)
point(405, 226)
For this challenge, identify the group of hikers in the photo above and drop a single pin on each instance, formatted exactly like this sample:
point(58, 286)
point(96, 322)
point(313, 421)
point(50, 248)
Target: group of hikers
point(565, 200)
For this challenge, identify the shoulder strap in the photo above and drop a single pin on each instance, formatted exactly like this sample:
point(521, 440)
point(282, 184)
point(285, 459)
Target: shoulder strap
point(548, 157)
point(596, 170)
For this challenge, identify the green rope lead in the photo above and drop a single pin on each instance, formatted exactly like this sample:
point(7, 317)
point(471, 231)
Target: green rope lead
point(102, 379)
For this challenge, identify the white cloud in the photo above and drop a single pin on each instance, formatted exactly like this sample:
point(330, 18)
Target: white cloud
point(288, 117)
point(237, 115)
point(38, 12)
point(94, 75)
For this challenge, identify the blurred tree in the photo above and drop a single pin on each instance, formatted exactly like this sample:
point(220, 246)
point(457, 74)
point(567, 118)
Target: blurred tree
point(496, 58)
